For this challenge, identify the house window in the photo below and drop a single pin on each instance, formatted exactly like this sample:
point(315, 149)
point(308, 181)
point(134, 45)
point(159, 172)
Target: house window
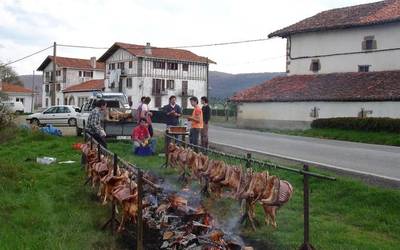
point(58, 73)
point(158, 86)
point(80, 73)
point(129, 83)
point(47, 88)
point(369, 43)
point(172, 66)
point(88, 74)
point(363, 68)
point(130, 64)
point(185, 67)
point(58, 101)
point(158, 65)
point(121, 65)
point(47, 102)
point(315, 65)
point(20, 100)
point(170, 84)
point(58, 87)
point(364, 113)
point(112, 65)
point(314, 112)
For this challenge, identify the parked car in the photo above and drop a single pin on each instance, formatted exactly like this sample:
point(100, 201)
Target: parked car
point(56, 115)
point(113, 100)
point(15, 107)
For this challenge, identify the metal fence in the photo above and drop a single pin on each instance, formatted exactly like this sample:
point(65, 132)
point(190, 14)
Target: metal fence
point(138, 177)
point(249, 162)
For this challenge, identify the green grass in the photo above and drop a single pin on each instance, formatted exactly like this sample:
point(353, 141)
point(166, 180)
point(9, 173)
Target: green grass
point(383, 138)
point(47, 207)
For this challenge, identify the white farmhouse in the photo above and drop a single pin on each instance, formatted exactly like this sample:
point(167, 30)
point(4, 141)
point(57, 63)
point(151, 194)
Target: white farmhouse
point(17, 93)
point(340, 63)
point(69, 72)
point(138, 70)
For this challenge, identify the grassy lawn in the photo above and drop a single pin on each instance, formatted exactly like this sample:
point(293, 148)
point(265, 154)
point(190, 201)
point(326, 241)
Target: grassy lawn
point(383, 138)
point(47, 207)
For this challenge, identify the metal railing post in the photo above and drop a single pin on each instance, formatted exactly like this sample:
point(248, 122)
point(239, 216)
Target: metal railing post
point(139, 235)
point(115, 165)
point(98, 152)
point(84, 131)
point(248, 158)
point(306, 196)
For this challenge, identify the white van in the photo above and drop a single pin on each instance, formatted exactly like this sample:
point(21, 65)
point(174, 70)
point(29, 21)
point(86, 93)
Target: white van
point(15, 107)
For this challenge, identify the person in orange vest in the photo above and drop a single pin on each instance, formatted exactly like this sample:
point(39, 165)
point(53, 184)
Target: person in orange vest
point(197, 121)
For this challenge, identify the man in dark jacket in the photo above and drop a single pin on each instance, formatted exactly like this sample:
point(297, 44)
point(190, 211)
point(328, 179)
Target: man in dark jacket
point(206, 118)
point(172, 112)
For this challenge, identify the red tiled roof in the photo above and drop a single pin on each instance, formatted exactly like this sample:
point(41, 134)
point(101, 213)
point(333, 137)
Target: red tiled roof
point(371, 86)
point(164, 53)
point(360, 15)
point(76, 63)
point(91, 85)
point(12, 88)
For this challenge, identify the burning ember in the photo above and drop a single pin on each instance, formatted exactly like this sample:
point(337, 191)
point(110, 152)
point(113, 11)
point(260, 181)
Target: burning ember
point(179, 216)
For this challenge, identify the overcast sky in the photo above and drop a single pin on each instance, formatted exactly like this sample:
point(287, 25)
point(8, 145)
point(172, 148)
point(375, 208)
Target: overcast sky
point(30, 25)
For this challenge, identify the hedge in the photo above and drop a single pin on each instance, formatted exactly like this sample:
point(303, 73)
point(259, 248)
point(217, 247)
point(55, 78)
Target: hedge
point(363, 124)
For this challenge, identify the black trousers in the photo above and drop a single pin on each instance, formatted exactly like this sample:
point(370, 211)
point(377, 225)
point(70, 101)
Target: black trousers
point(99, 139)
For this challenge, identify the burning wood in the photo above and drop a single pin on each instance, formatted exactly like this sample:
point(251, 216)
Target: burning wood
point(179, 217)
point(216, 175)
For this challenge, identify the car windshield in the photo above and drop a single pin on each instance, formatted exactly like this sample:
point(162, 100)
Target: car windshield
point(121, 98)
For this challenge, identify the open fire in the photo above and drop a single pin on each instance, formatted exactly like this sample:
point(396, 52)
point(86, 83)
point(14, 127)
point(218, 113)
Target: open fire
point(179, 216)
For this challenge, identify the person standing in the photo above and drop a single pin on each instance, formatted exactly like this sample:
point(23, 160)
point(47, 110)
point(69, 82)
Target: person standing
point(145, 113)
point(95, 120)
point(138, 110)
point(172, 111)
point(197, 121)
point(206, 118)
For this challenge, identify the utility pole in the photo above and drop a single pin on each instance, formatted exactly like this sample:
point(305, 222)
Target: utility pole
point(53, 84)
point(207, 84)
point(33, 92)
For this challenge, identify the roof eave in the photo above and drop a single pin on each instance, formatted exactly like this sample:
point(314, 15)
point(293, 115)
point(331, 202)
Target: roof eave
point(284, 34)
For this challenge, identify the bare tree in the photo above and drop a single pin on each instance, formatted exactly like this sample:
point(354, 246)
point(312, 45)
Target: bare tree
point(7, 74)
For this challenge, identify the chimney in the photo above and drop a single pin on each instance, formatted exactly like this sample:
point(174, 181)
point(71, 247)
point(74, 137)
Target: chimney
point(147, 49)
point(93, 62)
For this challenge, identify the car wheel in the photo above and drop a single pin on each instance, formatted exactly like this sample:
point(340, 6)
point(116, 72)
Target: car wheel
point(78, 131)
point(35, 122)
point(72, 122)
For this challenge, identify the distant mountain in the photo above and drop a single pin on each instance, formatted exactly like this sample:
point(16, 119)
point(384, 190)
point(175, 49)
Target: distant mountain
point(224, 85)
point(27, 81)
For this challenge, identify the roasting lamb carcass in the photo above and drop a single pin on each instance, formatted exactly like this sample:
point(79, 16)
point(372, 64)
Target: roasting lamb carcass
point(279, 198)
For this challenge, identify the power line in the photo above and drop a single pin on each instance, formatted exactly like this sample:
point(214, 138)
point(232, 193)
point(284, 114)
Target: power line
point(25, 57)
point(141, 47)
point(172, 47)
point(81, 46)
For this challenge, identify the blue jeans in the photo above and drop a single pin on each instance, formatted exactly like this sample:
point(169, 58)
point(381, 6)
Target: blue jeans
point(152, 144)
point(194, 136)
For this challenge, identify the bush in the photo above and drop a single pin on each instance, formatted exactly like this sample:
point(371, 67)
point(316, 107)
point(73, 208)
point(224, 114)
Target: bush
point(363, 124)
point(6, 117)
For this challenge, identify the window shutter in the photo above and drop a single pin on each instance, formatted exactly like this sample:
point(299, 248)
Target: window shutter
point(364, 45)
point(374, 44)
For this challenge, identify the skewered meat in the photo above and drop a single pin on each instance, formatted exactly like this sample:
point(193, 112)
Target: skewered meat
point(284, 195)
point(110, 182)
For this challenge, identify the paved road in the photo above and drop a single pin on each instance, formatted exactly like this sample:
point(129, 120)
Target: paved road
point(378, 160)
